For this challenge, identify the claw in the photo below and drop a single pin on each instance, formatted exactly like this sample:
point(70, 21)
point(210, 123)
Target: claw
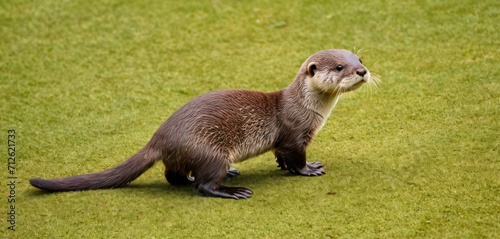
point(225, 192)
point(315, 165)
point(311, 169)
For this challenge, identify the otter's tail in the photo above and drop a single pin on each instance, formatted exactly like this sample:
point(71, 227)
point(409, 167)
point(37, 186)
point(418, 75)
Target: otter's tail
point(115, 177)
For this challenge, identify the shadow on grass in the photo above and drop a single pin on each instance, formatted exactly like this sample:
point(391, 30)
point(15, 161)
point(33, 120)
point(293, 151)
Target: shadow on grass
point(250, 179)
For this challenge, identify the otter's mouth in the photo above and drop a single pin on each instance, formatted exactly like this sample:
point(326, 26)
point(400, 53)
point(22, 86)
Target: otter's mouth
point(359, 83)
point(356, 85)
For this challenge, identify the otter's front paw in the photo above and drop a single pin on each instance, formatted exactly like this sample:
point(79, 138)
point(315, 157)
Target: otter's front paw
point(315, 165)
point(311, 169)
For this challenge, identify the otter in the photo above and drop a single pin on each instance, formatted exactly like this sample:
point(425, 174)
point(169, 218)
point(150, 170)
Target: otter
point(199, 141)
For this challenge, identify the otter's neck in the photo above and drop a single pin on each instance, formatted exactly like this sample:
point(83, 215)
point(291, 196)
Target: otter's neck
point(303, 93)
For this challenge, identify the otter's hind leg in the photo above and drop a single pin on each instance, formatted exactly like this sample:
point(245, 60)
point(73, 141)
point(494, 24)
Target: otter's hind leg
point(178, 178)
point(209, 177)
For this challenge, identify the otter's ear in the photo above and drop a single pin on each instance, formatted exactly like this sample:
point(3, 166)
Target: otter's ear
point(311, 68)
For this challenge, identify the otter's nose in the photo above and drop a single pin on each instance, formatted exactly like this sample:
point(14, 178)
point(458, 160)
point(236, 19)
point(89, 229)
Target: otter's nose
point(361, 72)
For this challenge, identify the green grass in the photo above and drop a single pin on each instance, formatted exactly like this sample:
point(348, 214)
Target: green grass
point(85, 84)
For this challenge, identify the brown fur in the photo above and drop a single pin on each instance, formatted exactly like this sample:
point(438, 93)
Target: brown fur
point(212, 131)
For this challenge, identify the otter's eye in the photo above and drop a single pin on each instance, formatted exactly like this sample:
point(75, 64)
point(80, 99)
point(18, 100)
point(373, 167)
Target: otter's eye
point(360, 61)
point(339, 67)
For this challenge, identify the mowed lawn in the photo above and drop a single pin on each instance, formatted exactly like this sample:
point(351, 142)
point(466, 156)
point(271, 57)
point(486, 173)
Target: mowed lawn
point(85, 84)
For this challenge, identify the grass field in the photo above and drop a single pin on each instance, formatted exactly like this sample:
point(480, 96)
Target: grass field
point(85, 84)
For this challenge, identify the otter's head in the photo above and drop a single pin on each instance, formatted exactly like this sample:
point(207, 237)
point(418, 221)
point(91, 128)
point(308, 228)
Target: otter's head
point(335, 71)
